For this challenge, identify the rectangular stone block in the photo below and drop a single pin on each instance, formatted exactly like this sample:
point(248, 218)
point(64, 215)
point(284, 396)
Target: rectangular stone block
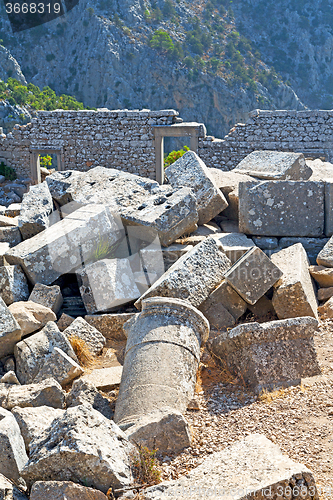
point(234, 245)
point(312, 246)
point(281, 208)
point(36, 207)
point(84, 236)
point(10, 331)
point(269, 355)
point(110, 325)
point(275, 165)
point(194, 276)
point(13, 284)
point(190, 171)
point(48, 296)
point(253, 275)
point(294, 294)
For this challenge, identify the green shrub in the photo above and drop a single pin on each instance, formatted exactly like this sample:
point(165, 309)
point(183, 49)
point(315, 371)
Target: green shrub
point(8, 172)
point(161, 41)
point(45, 161)
point(145, 466)
point(174, 156)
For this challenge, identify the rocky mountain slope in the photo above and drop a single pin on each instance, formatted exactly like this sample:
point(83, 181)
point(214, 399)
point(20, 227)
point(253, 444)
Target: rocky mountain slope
point(191, 56)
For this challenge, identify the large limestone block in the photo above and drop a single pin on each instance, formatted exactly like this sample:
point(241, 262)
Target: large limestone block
point(31, 316)
point(223, 307)
point(63, 490)
point(253, 275)
point(294, 293)
point(85, 235)
point(13, 284)
point(10, 331)
point(275, 165)
point(32, 421)
point(325, 256)
point(83, 392)
point(165, 430)
point(60, 366)
point(234, 245)
point(322, 275)
point(13, 456)
point(32, 353)
point(8, 491)
point(92, 337)
point(107, 284)
point(36, 207)
point(190, 171)
point(81, 444)
point(281, 208)
point(46, 393)
point(47, 296)
point(194, 276)
point(269, 355)
point(252, 467)
point(110, 325)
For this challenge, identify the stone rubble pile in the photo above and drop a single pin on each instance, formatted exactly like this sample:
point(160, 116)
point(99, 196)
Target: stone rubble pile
point(90, 259)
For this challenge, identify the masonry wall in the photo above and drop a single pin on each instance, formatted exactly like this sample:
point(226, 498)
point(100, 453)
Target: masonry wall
point(308, 132)
point(117, 139)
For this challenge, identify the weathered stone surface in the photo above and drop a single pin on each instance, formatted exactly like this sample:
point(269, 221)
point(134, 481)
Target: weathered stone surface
point(46, 393)
point(60, 366)
point(107, 284)
point(326, 310)
point(61, 248)
point(8, 221)
point(223, 306)
point(36, 207)
point(82, 444)
point(190, 171)
point(207, 229)
point(110, 325)
point(253, 275)
point(325, 256)
point(32, 421)
point(172, 253)
point(325, 293)
point(261, 308)
point(63, 490)
point(48, 296)
point(13, 284)
point(165, 430)
point(64, 321)
point(253, 465)
point(266, 242)
point(92, 336)
point(275, 165)
point(4, 247)
point(269, 355)
point(32, 353)
point(31, 316)
point(8, 491)
point(12, 452)
point(10, 235)
point(172, 332)
point(294, 293)
point(312, 246)
point(10, 331)
point(105, 379)
point(61, 183)
point(268, 208)
point(194, 276)
point(322, 275)
point(234, 245)
point(83, 392)
point(9, 378)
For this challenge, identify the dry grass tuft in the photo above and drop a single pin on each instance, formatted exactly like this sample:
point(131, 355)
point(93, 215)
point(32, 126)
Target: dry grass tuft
point(82, 351)
point(267, 397)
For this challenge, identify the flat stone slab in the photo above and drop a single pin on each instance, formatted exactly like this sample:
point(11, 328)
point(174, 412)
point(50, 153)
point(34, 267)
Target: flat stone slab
point(281, 208)
point(110, 325)
point(323, 275)
point(275, 165)
point(13, 284)
point(194, 276)
point(269, 355)
point(105, 378)
point(46, 393)
point(48, 296)
point(253, 275)
point(253, 465)
point(234, 245)
point(36, 207)
point(10, 331)
point(190, 171)
point(294, 294)
point(85, 235)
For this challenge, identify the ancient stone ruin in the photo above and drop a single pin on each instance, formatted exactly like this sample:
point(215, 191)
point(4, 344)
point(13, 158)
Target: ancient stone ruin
point(116, 288)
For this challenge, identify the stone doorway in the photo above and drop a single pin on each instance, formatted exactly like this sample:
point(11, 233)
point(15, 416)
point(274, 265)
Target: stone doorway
point(36, 152)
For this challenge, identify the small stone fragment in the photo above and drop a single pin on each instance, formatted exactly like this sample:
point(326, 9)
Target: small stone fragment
point(31, 316)
point(10, 331)
point(64, 321)
point(48, 296)
point(12, 451)
point(10, 378)
point(105, 379)
point(46, 393)
point(325, 293)
point(63, 490)
point(83, 392)
point(326, 310)
point(60, 366)
point(13, 284)
point(110, 325)
point(9, 491)
point(92, 336)
point(10, 235)
point(323, 275)
point(4, 247)
point(36, 207)
point(234, 245)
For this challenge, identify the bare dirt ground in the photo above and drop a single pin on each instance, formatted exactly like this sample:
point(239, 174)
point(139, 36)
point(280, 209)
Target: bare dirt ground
point(299, 419)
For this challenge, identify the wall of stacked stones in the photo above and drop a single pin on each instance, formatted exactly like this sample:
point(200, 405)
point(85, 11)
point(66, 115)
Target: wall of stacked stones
point(308, 132)
point(118, 139)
